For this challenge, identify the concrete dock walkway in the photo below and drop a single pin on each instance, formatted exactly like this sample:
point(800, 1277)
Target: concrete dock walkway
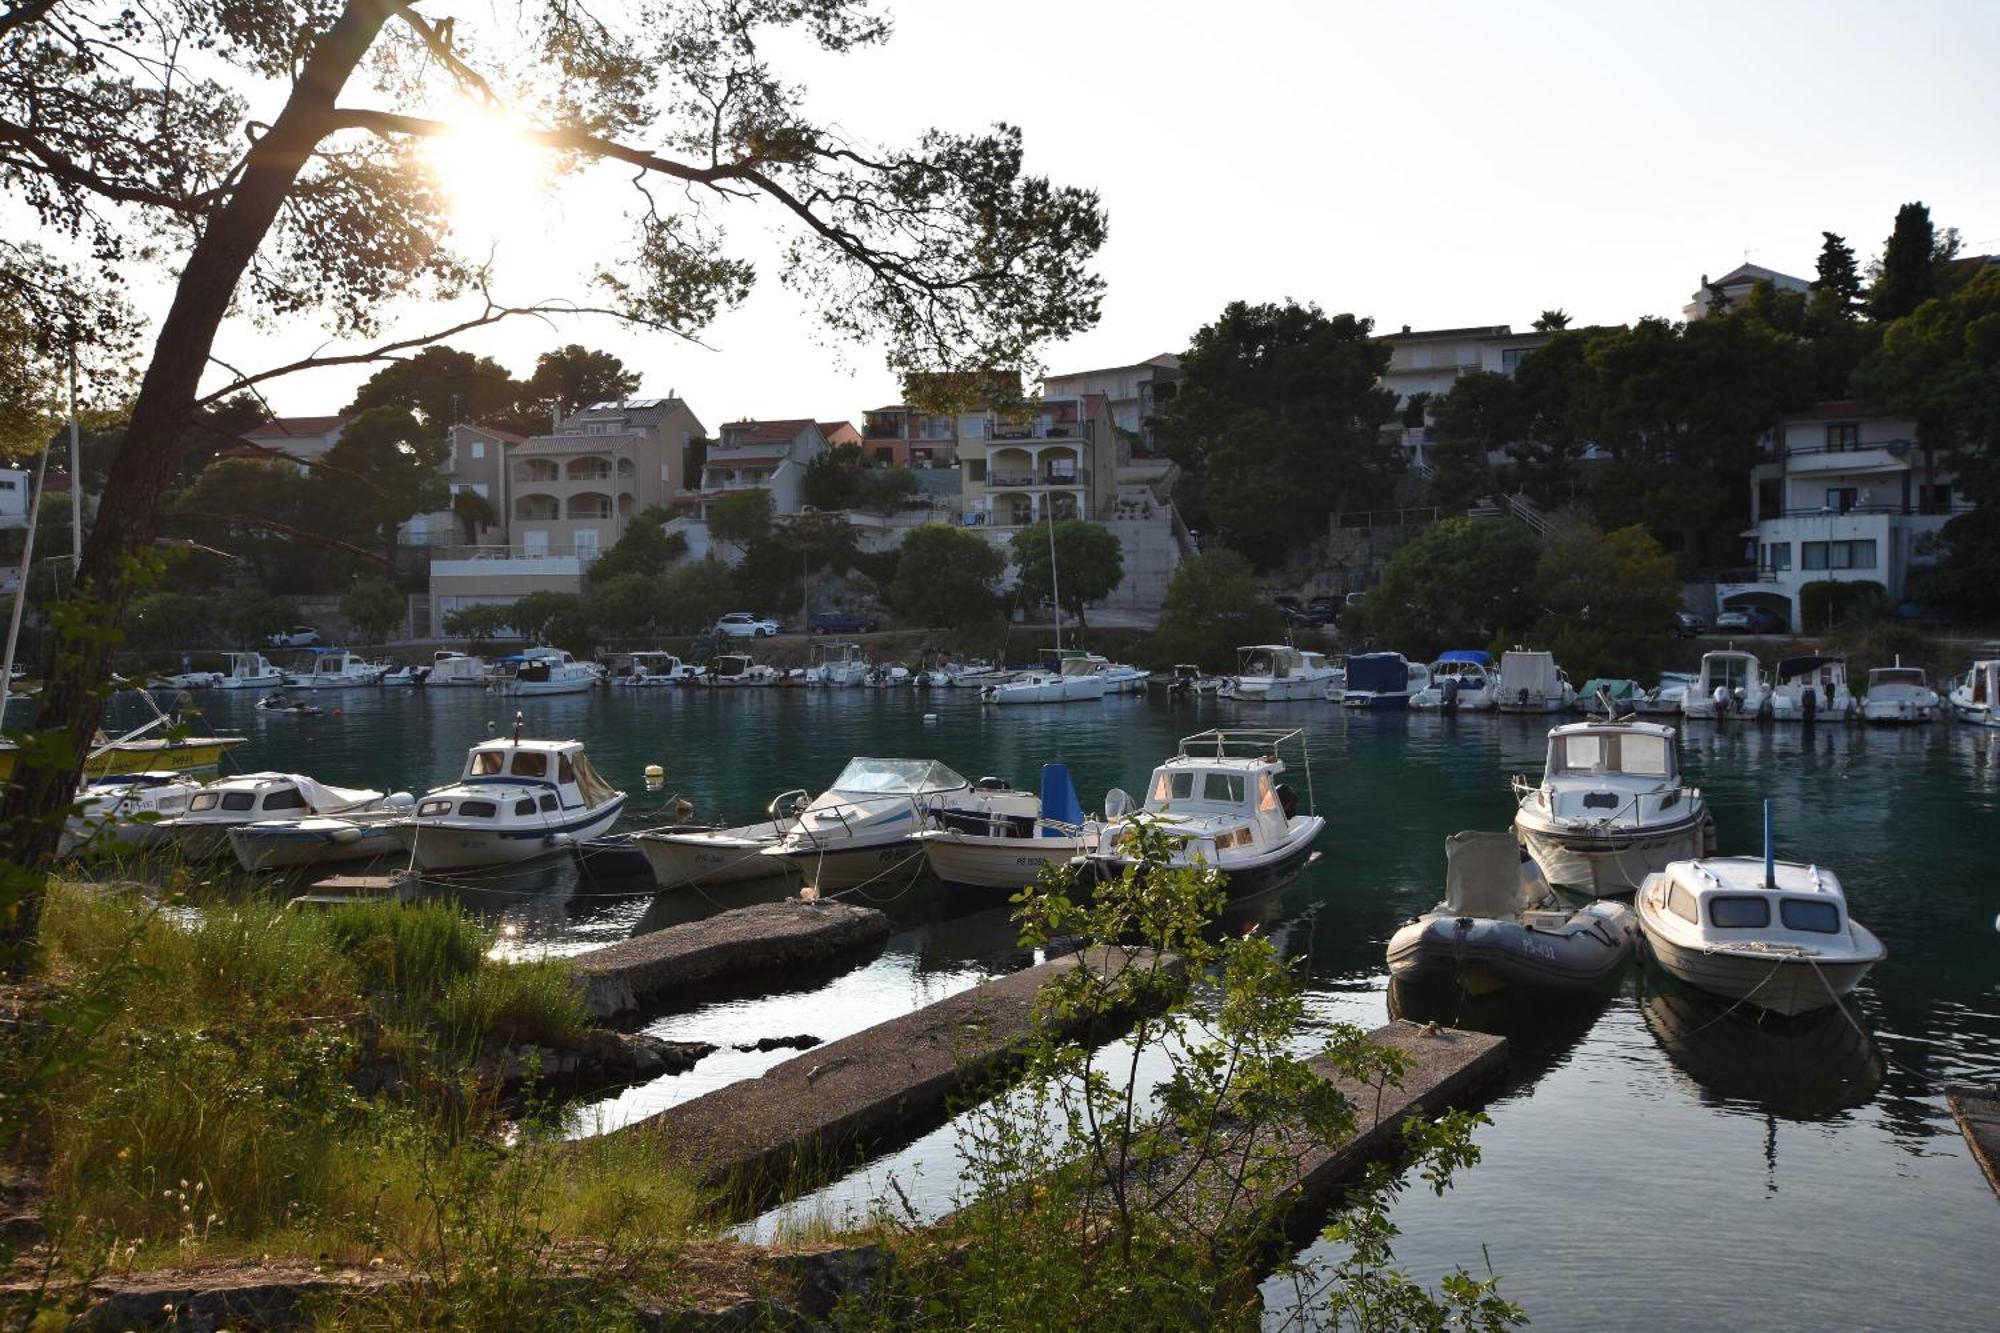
point(810, 1116)
point(1977, 1111)
point(758, 948)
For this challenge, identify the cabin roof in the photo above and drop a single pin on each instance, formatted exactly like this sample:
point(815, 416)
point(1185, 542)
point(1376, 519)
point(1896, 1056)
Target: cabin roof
point(1601, 728)
point(1745, 874)
point(529, 743)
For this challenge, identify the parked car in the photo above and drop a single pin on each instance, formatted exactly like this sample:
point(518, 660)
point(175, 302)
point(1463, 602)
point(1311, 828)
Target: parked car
point(298, 636)
point(1750, 620)
point(1688, 625)
point(744, 625)
point(1326, 608)
point(841, 622)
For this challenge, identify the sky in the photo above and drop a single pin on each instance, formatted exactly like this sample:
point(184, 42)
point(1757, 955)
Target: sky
point(1438, 165)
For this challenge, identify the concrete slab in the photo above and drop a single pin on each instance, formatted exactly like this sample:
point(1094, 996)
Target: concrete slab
point(1977, 1111)
point(808, 1117)
point(763, 947)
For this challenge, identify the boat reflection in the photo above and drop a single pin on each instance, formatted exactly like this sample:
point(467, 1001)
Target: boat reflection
point(1542, 1028)
point(1804, 1068)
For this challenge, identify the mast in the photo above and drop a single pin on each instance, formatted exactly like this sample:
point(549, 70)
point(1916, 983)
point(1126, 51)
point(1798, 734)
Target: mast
point(21, 588)
point(1055, 579)
point(75, 476)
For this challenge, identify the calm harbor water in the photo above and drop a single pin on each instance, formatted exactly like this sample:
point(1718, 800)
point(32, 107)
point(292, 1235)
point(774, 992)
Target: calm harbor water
point(1653, 1161)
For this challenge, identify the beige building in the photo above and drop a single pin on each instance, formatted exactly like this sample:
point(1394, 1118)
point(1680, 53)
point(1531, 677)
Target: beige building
point(573, 492)
point(762, 455)
point(1051, 456)
point(302, 438)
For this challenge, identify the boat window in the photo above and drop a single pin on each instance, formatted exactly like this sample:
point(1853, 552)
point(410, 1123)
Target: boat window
point(549, 803)
point(1681, 903)
point(1170, 785)
point(1809, 914)
point(238, 800)
point(204, 801)
point(1581, 753)
point(1267, 795)
point(529, 764)
point(525, 806)
point(478, 809)
point(1895, 676)
point(1645, 756)
point(565, 770)
point(876, 777)
point(1222, 787)
point(1739, 912)
point(290, 798)
point(430, 808)
point(488, 762)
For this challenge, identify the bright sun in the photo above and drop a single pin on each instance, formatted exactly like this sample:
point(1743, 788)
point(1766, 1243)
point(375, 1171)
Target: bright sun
point(493, 179)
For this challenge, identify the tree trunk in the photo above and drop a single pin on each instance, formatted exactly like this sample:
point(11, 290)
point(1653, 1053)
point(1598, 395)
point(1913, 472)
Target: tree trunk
point(129, 511)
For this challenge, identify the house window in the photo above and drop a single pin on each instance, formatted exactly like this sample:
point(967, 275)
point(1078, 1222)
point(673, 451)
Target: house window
point(600, 428)
point(1771, 498)
point(586, 544)
point(1838, 555)
point(975, 428)
point(1842, 435)
point(975, 469)
point(479, 448)
point(1777, 557)
point(1934, 499)
point(1812, 555)
point(1840, 499)
point(534, 543)
point(1512, 357)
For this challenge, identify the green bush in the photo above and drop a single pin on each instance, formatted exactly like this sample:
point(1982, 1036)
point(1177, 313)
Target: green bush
point(1825, 603)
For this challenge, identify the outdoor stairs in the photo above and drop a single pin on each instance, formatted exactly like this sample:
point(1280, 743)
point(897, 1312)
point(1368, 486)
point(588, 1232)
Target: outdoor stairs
point(1515, 506)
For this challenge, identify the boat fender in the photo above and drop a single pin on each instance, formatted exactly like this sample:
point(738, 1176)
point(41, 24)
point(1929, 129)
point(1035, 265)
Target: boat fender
point(560, 839)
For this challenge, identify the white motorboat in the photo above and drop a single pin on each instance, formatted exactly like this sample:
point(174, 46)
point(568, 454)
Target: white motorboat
point(732, 671)
point(837, 665)
point(1382, 680)
point(1666, 698)
point(976, 675)
point(866, 825)
point(1500, 925)
point(1730, 685)
point(1899, 696)
point(362, 835)
point(657, 671)
point(1220, 805)
point(405, 676)
point(543, 671)
point(1810, 689)
point(122, 812)
point(1531, 682)
point(1611, 808)
point(1278, 673)
point(999, 850)
point(1189, 680)
point(712, 856)
point(1974, 694)
point(1119, 678)
point(188, 680)
point(456, 669)
point(333, 669)
point(1077, 679)
point(887, 676)
point(202, 830)
point(1463, 680)
point(250, 671)
point(1774, 934)
point(517, 800)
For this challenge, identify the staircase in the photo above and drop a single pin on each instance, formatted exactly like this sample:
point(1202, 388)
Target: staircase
point(1511, 506)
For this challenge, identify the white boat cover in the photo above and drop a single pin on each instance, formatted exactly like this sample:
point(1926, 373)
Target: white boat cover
point(1530, 671)
point(1483, 876)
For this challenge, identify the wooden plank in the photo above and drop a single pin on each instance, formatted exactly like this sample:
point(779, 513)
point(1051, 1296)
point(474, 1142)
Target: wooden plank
point(1977, 1111)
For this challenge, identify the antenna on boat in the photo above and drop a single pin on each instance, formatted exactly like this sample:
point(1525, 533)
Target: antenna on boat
point(520, 720)
point(1770, 850)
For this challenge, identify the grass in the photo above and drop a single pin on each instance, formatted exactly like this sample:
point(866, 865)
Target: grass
point(207, 1083)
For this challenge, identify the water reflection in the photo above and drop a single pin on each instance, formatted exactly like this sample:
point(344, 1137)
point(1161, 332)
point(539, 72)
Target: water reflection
point(1542, 1028)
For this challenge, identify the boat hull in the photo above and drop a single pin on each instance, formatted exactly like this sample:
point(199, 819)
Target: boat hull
point(1370, 699)
point(142, 756)
point(1493, 953)
point(1783, 983)
point(1975, 715)
point(1606, 863)
point(1280, 691)
point(996, 863)
point(832, 867)
point(286, 847)
point(1242, 878)
point(443, 847)
point(716, 856)
point(525, 688)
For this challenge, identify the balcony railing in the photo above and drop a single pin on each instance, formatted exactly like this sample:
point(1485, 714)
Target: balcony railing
point(1927, 510)
point(1048, 477)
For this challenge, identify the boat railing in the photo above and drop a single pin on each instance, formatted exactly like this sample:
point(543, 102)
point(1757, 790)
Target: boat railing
point(1238, 742)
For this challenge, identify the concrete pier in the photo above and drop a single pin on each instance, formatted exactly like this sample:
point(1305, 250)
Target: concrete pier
point(1977, 1111)
point(809, 1116)
point(753, 949)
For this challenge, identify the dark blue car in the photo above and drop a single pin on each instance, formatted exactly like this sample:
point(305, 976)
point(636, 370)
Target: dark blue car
point(841, 622)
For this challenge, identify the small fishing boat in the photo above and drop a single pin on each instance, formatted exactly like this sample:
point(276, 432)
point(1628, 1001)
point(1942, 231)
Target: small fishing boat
point(867, 824)
point(738, 671)
point(1531, 682)
point(357, 835)
point(1077, 679)
point(1462, 680)
point(187, 680)
point(405, 676)
point(1278, 673)
point(333, 669)
point(656, 671)
point(1666, 698)
point(1899, 696)
point(135, 752)
point(1774, 934)
point(285, 704)
point(542, 671)
point(837, 665)
point(1220, 805)
point(887, 676)
point(1382, 680)
point(975, 674)
point(250, 671)
point(202, 831)
point(999, 850)
point(1501, 925)
point(1811, 689)
point(455, 669)
point(1730, 684)
point(1974, 694)
point(1610, 808)
point(1186, 680)
point(715, 856)
point(121, 813)
point(1119, 678)
point(516, 800)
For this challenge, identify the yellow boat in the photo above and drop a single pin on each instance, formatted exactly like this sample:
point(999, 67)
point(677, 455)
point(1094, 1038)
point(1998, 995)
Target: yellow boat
point(141, 756)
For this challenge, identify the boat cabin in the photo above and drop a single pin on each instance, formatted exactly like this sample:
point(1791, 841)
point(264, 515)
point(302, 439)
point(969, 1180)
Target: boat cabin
point(1640, 751)
point(1083, 664)
point(1815, 672)
point(284, 795)
point(1471, 667)
point(1982, 683)
point(521, 779)
point(1729, 901)
point(1224, 784)
point(838, 653)
point(1897, 677)
point(1731, 670)
point(1279, 661)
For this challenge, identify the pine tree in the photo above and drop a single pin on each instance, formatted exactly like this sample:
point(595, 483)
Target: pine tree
point(1836, 292)
point(1906, 276)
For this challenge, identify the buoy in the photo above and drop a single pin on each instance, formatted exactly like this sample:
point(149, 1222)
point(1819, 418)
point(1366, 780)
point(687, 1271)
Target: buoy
point(930, 717)
point(656, 777)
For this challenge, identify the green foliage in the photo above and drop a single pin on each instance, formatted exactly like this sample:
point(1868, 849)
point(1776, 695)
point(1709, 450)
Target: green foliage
point(741, 517)
point(246, 615)
point(441, 386)
point(383, 470)
point(772, 568)
point(164, 620)
point(570, 379)
point(1463, 582)
point(945, 577)
point(832, 478)
point(1214, 605)
point(1825, 603)
point(558, 619)
point(643, 548)
point(625, 605)
point(1089, 563)
point(371, 609)
point(1608, 600)
point(1552, 321)
point(695, 596)
point(1836, 288)
point(1941, 366)
point(1278, 421)
point(473, 514)
point(1482, 415)
point(478, 623)
point(883, 490)
point(1912, 268)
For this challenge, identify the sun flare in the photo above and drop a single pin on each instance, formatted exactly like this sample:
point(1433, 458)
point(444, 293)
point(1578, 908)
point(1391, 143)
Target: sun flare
point(493, 178)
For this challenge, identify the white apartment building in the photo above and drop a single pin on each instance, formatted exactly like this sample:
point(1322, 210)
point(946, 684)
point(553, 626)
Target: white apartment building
point(1431, 361)
point(1133, 394)
point(1735, 285)
point(761, 455)
point(13, 497)
point(1845, 494)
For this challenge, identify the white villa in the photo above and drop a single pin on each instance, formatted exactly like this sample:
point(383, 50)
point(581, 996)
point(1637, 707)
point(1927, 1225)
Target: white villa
point(761, 455)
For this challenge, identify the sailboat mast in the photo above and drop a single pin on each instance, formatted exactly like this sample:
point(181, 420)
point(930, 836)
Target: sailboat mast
point(1055, 577)
point(21, 588)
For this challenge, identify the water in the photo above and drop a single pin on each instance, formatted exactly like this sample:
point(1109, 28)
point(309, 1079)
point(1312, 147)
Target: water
point(1651, 1161)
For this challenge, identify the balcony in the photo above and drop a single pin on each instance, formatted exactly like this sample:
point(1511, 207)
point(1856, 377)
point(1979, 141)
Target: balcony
point(1887, 456)
point(1073, 477)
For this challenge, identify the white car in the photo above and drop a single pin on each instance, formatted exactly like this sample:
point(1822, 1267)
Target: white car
point(743, 625)
point(298, 636)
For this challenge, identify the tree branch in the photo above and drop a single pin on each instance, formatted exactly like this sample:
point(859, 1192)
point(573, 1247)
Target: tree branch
point(23, 14)
point(573, 141)
point(284, 530)
point(71, 172)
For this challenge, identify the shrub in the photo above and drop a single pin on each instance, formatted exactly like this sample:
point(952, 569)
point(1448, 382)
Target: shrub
point(1824, 603)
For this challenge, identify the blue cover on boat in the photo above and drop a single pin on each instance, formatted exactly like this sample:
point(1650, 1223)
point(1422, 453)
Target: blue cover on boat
point(1479, 655)
point(1381, 673)
point(1059, 800)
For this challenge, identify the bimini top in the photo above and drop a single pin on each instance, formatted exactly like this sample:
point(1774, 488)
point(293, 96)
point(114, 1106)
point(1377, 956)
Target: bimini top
point(896, 777)
point(1478, 656)
point(1791, 668)
point(1385, 672)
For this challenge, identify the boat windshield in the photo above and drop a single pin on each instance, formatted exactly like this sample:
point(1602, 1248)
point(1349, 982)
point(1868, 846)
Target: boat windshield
point(1635, 754)
point(1273, 662)
point(881, 777)
point(1896, 676)
point(1729, 670)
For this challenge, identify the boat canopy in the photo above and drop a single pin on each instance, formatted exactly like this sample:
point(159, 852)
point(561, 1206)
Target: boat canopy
point(891, 777)
point(1386, 673)
point(1793, 668)
point(1897, 675)
point(1477, 656)
point(1275, 660)
point(1530, 671)
point(1617, 687)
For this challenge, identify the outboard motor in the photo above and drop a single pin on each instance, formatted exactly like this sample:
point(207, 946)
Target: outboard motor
point(1448, 699)
point(1811, 702)
point(1721, 698)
